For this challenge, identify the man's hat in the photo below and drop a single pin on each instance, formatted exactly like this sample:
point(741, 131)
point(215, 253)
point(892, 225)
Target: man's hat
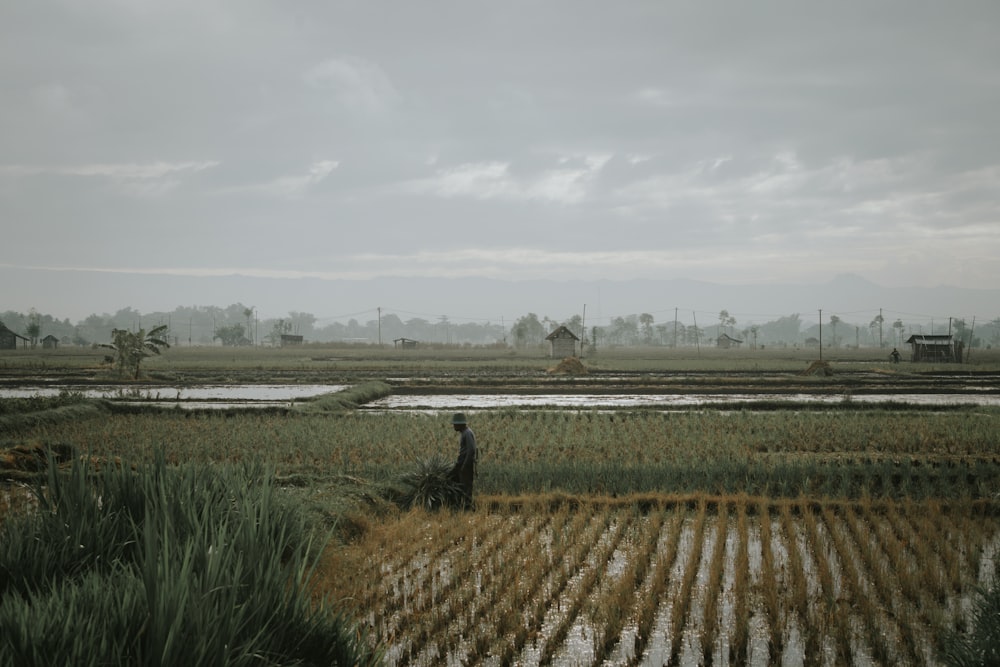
point(458, 418)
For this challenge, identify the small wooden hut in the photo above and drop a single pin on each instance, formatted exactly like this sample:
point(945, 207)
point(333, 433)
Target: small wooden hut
point(290, 339)
point(563, 343)
point(934, 347)
point(405, 343)
point(8, 339)
point(50, 342)
point(725, 341)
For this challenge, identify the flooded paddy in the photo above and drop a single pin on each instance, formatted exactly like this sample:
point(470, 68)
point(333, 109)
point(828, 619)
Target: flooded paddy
point(676, 400)
point(817, 583)
point(217, 396)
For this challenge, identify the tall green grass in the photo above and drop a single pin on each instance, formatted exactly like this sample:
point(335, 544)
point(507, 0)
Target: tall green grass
point(978, 644)
point(165, 565)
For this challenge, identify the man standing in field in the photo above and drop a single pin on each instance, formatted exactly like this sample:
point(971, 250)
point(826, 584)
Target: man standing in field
point(464, 471)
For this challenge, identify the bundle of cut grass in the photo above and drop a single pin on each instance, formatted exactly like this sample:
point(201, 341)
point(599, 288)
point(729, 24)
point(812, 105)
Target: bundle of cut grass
point(430, 486)
point(569, 366)
point(819, 368)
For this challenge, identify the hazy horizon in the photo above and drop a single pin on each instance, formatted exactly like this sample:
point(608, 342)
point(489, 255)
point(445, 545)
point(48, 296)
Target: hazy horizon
point(848, 297)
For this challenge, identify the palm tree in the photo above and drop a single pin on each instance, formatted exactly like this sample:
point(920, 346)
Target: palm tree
point(248, 312)
point(131, 348)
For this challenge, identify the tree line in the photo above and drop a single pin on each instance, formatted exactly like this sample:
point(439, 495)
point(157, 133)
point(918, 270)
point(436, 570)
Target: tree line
point(239, 325)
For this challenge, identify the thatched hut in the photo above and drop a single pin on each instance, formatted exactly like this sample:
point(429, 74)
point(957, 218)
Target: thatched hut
point(563, 343)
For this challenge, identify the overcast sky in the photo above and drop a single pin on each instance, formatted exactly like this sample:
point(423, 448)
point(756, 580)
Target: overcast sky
point(736, 142)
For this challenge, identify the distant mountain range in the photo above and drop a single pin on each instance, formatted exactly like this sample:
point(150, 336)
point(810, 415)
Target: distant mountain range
point(76, 294)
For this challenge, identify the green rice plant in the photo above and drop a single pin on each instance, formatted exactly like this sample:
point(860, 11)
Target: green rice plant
point(741, 573)
point(347, 399)
point(682, 605)
point(796, 549)
point(590, 573)
point(825, 560)
point(767, 586)
point(980, 644)
point(162, 565)
point(713, 587)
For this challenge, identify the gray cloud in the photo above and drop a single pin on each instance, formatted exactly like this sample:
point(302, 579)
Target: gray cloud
point(743, 143)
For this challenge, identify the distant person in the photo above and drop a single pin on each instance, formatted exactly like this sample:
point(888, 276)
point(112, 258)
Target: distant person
point(464, 471)
point(894, 355)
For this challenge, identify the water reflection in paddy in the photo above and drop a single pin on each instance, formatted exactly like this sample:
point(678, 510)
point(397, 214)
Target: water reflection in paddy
point(446, 401)
point(263, 393)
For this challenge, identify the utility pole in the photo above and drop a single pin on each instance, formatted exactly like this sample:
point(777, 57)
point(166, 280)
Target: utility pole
point(583, 330)
point(380, 326)
point(821, 334)
point(675, 327)
point(697, 334)
point(880, 329)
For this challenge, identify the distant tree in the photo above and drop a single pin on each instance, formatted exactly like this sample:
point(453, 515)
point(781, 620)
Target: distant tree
point(232, 335)
point(34, 328)
point(528, 330)
point(877, 324)
point(646, 327)
point(725, 320)
point(784, 330)
point(132, 347)
point(575, 324)
point(834, 321)
point(693, 334)
point(248, 313)
point(279, 328)
point(898, 328)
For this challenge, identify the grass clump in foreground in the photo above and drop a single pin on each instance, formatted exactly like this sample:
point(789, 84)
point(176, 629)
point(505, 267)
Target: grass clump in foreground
point(161, 565)
point(347, 399)
point(980, 643)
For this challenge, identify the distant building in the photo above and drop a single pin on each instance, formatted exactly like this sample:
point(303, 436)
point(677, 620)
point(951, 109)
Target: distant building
point(405, 343)
point(8, 339)
point(291, 339)
point(563, 343)
point(934, 347)
point(50, 342)
point(725, 341)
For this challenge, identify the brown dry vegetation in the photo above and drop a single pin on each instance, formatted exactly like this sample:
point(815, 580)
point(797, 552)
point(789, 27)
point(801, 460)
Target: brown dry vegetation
point(655, 579)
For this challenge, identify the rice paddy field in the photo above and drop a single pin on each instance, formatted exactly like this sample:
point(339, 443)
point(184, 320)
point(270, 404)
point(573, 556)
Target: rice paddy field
point(780, 532)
